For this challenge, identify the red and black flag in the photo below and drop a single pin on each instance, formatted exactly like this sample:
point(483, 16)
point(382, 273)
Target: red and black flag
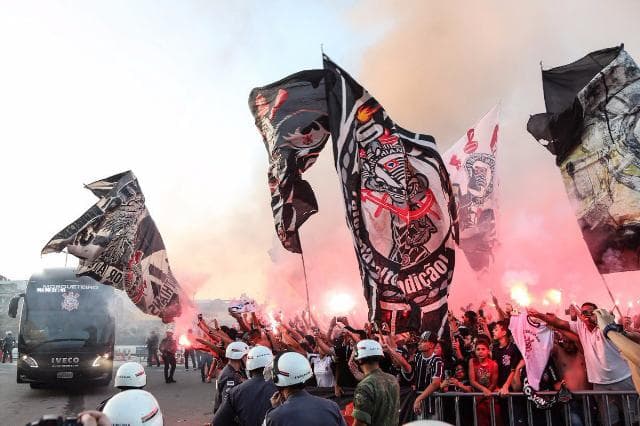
point(399, 207)
point(118, 244)
point(291, 115)
point(591, 126)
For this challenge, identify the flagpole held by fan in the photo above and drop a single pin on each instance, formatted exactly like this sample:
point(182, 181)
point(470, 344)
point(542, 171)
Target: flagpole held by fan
point(615, 304)
point(304, 270)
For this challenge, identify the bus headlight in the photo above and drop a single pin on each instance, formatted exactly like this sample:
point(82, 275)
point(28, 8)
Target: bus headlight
point(99, 358)
point(29, 361)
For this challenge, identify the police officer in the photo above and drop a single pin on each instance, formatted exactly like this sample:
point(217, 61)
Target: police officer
point(248, 402)
point(292, 404)
point(376, 400)
point(7, 347)
point(168, 347)
point(130, 375)
point(233, 373)
point(134, 408)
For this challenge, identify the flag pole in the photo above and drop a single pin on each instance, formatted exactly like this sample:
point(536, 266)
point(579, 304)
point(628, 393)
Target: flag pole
point(304, 270)
point(615, 305)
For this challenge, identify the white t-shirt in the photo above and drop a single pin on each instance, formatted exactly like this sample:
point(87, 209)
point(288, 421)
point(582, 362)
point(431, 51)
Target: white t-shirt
point(603, 360)
point(535, 342)
point(322, 370)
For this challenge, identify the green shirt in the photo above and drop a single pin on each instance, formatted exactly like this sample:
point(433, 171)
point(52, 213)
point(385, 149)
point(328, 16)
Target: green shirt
point(376, 400)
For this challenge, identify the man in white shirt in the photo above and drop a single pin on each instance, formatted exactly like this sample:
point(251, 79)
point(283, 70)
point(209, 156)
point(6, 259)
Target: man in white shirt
point(606, 369)
point(321, 365)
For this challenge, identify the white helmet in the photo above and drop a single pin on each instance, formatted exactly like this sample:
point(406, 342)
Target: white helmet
point(291, 368)
point(259, 357)
point(130, 375)
point(236, 350)
point(135, 407)
point(9, 333)
point(367, 348)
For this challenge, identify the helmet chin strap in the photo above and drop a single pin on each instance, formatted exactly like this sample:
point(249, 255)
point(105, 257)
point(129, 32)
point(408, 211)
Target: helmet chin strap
point(237, 364)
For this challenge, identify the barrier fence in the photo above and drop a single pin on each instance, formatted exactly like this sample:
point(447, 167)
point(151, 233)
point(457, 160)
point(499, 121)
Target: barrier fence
point(458, 407)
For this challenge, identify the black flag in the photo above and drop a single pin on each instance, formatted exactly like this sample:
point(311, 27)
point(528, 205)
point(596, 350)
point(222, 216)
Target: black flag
point(292, 118)
point(591, 126)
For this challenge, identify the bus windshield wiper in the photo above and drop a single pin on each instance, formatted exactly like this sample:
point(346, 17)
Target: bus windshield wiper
point(56, 340)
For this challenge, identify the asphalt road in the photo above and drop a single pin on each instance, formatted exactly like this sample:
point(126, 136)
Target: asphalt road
point(186, 402)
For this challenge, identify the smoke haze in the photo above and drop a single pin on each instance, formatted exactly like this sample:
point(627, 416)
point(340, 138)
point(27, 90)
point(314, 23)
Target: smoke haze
point(437, 70)
point(437, 67)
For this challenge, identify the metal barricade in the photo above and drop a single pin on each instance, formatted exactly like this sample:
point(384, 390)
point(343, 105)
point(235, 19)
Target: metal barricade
point(456, 407)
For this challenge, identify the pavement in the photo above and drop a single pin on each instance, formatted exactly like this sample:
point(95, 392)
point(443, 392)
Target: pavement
point(188, 402)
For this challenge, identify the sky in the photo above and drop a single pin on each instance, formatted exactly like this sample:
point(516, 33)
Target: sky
point(90, 89)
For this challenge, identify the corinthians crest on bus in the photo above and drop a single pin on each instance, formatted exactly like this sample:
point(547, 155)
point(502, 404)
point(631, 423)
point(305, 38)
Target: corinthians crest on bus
point(70, 301)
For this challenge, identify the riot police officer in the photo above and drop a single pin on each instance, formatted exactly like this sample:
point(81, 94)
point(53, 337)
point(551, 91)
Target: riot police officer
point(292, 404)
point(233, 373)
point(130, 375)
point(248, 403)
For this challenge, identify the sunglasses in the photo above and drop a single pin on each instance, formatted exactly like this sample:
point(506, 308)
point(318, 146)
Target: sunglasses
point(587, 313)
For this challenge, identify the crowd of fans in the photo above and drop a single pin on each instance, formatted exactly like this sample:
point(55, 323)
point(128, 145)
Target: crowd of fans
point(276, 371)
point(476, 355)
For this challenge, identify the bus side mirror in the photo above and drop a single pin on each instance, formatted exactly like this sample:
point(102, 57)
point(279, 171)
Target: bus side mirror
point(13, 305)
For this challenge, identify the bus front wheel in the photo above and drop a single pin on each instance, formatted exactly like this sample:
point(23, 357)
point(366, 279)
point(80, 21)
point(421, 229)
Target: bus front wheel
point(106, 380)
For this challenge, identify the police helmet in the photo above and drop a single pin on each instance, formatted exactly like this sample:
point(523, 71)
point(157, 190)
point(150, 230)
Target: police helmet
point(135, 407)
point(130, 375)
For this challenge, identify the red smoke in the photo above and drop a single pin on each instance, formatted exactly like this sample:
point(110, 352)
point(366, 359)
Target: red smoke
point(437, 70)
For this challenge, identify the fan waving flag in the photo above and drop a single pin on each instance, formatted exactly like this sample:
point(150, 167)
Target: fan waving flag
point(592, 127)
point(399, 208)
point(292, 118)
point(472, 166)
point(118, 244)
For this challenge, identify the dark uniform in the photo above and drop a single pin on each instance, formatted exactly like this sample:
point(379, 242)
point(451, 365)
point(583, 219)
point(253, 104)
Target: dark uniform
point(168, 347)
point(302, 408)
point(152, 349)
point(376, 400)
point(7, 347)
point(101, 405)
point(247, 403)
point(228, 379)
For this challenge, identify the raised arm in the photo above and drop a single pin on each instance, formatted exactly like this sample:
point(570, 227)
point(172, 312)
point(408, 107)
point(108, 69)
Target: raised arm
point(389, 347)
point(501, 314)
point(550, 319)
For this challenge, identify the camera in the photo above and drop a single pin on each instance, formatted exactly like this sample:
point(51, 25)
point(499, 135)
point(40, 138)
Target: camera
point(53, 420)
point(199, 317)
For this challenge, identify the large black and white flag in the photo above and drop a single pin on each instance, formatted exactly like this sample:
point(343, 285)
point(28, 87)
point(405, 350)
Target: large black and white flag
point(399, 207)
point(118, 244)
point(292, 118)
point(591, 126)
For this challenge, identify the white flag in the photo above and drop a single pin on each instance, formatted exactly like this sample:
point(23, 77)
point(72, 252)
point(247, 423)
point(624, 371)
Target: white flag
point(471, 163)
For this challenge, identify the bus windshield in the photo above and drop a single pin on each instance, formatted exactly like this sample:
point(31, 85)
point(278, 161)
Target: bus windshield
point(87, 329)
point(67, 314)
